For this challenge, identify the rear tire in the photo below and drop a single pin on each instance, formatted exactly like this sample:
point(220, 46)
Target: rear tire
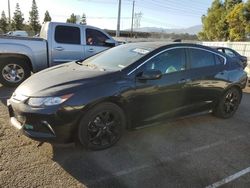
point(13, 71)
point(228, 103)
point(102, 126)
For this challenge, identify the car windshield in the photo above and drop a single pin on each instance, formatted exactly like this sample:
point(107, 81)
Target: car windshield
point(118, 58)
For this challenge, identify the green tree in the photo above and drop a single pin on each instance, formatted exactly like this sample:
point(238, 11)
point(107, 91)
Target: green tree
point(237, 23)
point(17, 20)
point(230, 4)
point(214, 23)
point(246, 13)
point(47, 17)
point(72, 18)
point(83, 20)
point(34, 18)
point(3, 22)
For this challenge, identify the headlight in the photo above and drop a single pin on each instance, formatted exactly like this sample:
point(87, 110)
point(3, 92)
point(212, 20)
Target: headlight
point(48, 101)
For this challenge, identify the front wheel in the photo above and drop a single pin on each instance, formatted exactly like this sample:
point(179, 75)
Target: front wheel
point(13, 72)
point(101, 126)
point(228, 103)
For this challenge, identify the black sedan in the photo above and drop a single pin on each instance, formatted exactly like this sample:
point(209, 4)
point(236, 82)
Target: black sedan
point(125, 87)
point(233, 54)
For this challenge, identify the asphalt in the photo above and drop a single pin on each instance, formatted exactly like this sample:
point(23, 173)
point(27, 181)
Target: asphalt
point(195, 151)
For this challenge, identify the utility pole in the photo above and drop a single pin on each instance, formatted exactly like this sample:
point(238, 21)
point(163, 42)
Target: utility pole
point(9, 11)
point(133, 12)
point(118, 19)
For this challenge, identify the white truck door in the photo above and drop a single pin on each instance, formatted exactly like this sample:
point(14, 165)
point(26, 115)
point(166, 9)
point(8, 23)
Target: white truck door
point(67, 44)
point(95, 41)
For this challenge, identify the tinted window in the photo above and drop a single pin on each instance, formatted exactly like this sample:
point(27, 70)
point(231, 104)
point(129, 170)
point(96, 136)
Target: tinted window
point(219, 60)
point(168, 62)
point(201, 58)
point(220, 50)
point(230, 53)
point(67, 35)
point(95, 37)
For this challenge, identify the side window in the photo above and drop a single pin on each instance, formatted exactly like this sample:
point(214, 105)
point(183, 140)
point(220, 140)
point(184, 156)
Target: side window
point(168, 61)
point(201, 58)
point(67, 35)
point(219, 60)
point(95, 37)
point(229, 53)
point(220, 50)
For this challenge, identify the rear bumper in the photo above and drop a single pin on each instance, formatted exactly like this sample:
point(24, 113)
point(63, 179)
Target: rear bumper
point(44, 127)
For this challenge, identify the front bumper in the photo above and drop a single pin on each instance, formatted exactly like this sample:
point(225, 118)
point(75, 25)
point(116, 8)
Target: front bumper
point(56, 125)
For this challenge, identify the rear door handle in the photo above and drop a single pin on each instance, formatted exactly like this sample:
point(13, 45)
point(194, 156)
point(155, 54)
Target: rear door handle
point(184, 81)
point(91, 50)
point(59, 48)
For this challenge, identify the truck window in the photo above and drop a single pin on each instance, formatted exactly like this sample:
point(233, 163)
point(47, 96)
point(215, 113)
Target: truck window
point(67, 35)
point(95, 37)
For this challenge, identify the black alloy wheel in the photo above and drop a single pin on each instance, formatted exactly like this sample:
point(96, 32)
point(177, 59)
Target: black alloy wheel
point(229, 103)
point(102, 126)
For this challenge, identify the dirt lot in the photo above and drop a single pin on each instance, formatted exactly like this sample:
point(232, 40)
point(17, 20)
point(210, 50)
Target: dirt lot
point(188, 152)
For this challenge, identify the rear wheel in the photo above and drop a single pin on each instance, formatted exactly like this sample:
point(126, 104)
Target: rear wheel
point(101, 126)
point(13, 71)
point(228, 103)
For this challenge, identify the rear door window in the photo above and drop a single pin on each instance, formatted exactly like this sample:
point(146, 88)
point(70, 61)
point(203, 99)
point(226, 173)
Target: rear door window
point(201, 58)
point(67, 35)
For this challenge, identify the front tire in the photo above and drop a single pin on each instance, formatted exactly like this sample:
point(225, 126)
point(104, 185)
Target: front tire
point(228, 103)
point(13, 71)
point(102, 126)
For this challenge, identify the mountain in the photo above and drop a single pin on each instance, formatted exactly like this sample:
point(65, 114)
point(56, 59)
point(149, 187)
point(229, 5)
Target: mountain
point(190, 30)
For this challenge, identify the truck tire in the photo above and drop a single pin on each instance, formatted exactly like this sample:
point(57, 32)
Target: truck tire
point(13, 71)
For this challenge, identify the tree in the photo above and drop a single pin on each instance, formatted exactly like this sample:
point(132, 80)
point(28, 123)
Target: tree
point(47, 17)
point(214, 23)
point(83, 20)
point(237, 23)
point(34, 18)
point(3, 22)
point(72, 18)
point(17, 20)
point(246, 13)
point(230, 4)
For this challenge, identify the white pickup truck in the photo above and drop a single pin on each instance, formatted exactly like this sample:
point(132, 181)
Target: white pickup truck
point(58, 43)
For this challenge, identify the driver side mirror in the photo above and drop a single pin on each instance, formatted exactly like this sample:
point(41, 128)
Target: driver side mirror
point(109, 42)
point(150, 75)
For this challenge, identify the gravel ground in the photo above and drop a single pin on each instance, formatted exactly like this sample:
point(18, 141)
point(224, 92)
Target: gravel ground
point(193, 151)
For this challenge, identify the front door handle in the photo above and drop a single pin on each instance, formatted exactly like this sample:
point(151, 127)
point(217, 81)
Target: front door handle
point(91, 50)
point(184, 81)
point(59, 48)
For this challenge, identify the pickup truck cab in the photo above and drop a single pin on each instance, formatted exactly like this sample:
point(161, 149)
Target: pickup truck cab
point(58, 43)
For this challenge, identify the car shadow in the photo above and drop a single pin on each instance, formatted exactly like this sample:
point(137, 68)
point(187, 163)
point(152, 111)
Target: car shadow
point(5, 93)
point(122, 164)
point(90, 168)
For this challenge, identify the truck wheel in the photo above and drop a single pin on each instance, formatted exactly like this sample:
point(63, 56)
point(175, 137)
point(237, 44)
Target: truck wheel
point(13, 72)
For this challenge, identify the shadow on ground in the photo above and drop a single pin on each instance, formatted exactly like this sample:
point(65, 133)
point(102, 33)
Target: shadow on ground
point(5, 93)
point(136, 160)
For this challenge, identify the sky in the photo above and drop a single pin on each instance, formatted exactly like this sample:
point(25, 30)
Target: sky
point(103, 13)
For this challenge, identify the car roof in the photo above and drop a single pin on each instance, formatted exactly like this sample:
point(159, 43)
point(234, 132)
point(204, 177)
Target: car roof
point(156, 45)
point(217, 47)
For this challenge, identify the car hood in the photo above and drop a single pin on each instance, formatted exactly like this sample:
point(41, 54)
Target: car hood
point(60, 80)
